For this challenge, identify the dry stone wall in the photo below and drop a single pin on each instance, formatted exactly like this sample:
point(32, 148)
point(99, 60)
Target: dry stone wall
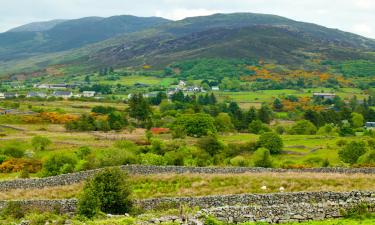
point(68, 179)
point(275, 208)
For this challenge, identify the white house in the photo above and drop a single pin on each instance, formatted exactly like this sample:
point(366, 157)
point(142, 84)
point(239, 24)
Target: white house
point(36, 94)
point(2, 96)
point(88, 94)
point(63, 94)
point(324, 96)
point(182, 83)
point(215, 88)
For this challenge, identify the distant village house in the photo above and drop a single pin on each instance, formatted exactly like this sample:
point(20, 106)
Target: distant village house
point(325, 96)
point(63, 94)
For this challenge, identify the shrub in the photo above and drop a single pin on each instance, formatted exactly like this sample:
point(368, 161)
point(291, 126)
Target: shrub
point(239, 161)
point(368, 158)
point(13, 210)
point(83, 152)
point(58, 164)
point(262, 158)
point(196, 125)
point(272, 142)
point(108, 191)
point(210, 144)
point(17, 165)
point(152, 159)
point(351, 152)
point(280, 129)
point(303, 127)
point(40, 143)
point(14, 150)
point(257, 127)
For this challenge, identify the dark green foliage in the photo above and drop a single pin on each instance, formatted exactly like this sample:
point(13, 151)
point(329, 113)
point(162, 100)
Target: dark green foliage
point(13, 149)
point(351, 152)
point(210, 144)
point(59, 164)
point(356, 68)
point(265, 114)
point(262, 158)
point(196, 125)
point(13, 210)
point(40, 143)
point(108, 191)
point(272, 142)
point(303, 127)
point(277, 104)
point(103, 109)
point(139, 108)
point(257, 127)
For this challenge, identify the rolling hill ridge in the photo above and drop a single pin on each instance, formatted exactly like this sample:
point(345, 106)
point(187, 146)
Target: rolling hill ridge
point(126, 41)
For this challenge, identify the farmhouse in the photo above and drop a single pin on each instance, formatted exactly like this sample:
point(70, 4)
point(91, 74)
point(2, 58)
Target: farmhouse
point(370, 125)
point(215, 88)
point(324, 96)
point(2, 96)
point(63, 94)
point(11, 95)
point(36, 94)
point(88, 94)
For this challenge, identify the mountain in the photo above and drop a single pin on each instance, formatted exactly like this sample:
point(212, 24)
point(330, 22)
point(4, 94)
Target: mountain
point(37, 26)
point(123, 41)
point(28, 40)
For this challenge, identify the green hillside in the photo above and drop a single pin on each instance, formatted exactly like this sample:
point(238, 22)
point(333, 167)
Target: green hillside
point(134, 42)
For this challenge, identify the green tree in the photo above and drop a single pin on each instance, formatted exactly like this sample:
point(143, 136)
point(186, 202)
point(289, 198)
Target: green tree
point(257, 127)
point(40, 143)
point(196, 125)
point(278, 105)
point(223, 123)
point(352, 152)
point(108, 191)
point(59, 164)
point(303, 127)
point(357, 120)
point(139, 108)
point(265, 114)
point(272, 142)
point(262, 158)
point(211, 145)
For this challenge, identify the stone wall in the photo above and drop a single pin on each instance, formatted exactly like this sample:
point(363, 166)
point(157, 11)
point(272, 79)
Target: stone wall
point(276, 208)
point(73, 178)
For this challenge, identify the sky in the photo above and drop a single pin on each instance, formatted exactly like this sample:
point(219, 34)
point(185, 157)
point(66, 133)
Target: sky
point(357, 16)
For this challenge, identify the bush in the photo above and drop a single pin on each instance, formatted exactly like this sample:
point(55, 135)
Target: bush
point(272, 142)
point(303, 127)
point(351, 152)
point(13, 210)
point(152, 159)
point(58, 164)
point(196, 125)
point(262, 158)
point(257, 127)
point(239, 161)
point(14, 150)
point(368, 158)
point(108, 191)
point(40, 143)
point(210, 144)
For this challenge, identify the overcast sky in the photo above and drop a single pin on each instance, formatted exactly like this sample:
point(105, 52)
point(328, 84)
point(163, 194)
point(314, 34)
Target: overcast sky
point(356, 16)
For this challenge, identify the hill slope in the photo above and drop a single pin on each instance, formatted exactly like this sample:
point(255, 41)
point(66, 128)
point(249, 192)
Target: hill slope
point(40, 38)
point(239, 35)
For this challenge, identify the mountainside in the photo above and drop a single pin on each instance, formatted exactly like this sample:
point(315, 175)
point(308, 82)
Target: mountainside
point(37, 26)
point(130, 41)
point(29, 41)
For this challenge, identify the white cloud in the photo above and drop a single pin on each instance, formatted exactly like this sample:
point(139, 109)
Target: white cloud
point(364, 29)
